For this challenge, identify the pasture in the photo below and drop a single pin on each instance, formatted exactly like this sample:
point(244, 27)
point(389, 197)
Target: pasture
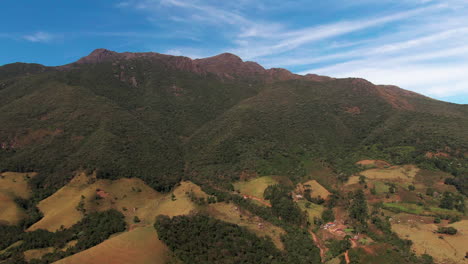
point(402, 174)
point(140, 245)
point(132, 197)
point(314, 210)
point(444, 248)
point(255, 187)
point(316, 189)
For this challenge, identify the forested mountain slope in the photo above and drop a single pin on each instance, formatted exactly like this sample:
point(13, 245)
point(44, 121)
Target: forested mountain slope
point(163, 118)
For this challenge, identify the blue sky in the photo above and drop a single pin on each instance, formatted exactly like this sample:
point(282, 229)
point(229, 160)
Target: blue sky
point(419, 45)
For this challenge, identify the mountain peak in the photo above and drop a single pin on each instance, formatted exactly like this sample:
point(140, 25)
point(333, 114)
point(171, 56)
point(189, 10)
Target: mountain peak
point(98, 55)
point(228, 64)
point(226, 57)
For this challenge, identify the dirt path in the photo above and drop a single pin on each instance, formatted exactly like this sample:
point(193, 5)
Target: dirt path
point(257, 199)
point(346, 254)
point(317, 242)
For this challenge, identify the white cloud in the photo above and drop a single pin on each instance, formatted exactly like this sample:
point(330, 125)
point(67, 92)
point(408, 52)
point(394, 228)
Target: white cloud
point(290, 40)
point(437, 79)
point(417, 44)
point(39, 37)
point(451, 37)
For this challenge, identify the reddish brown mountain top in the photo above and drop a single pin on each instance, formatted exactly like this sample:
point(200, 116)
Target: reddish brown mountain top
point(230, 66)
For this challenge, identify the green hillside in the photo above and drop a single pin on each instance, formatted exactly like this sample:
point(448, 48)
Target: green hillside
point(164, 118)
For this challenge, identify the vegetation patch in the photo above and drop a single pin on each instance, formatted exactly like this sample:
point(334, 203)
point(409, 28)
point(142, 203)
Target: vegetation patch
point(313, 210)
point(201, 239)
point(380, 187)
point(404, 207)
point(234, 214)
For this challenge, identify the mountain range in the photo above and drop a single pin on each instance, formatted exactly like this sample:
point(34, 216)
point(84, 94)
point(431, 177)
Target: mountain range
point(163, 118)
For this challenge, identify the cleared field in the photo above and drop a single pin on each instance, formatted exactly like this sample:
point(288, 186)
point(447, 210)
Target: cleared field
point(37, 253)
point(321, 172)
point(373, 163)
point(404, 173)
point(132, 197)
point(255, 187)
point(140, 245)
point(10, 212)
point(13, 185)
point(411, 208)
point(314, 210)
point(404, 207)
point(182, 204)
point(316, 189)
point(232, 214)
point(380, 187)
point(447, 249)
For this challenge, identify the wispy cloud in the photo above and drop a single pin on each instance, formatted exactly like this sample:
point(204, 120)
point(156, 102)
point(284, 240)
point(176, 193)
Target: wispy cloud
point(293, 39)
point(39, 36)
point(412, 39)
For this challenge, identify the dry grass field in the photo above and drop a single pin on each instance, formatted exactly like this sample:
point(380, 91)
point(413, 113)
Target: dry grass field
point(132, 197)
point(403, 174)
point(444, 248)
point(316, 189)
point(140, 245)
point(373, 163)
point(37, 253)
point(233, 214)
point(13, 185)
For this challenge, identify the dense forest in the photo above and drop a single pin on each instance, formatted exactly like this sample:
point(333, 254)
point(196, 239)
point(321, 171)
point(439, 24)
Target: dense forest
point(202, 239)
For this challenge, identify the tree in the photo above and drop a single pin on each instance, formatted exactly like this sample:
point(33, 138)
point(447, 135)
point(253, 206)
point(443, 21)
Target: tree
point(447, 230)
point(430, 191)
point(452, 201)
point(328, 216)
point(362, 179)
point(358, 209)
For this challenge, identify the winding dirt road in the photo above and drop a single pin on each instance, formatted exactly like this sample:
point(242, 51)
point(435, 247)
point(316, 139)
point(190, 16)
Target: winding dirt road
point(317, 242)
